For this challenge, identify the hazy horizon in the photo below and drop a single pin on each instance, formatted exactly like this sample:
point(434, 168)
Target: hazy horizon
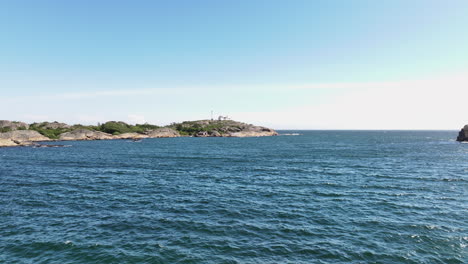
point(311, 65)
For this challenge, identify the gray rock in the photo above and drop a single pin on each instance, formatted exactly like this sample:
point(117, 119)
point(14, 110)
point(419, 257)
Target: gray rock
point(163, 132)
point(130, 136)
point(463, 134)
point(254, 131)
point(24, 136)
point(7, 143)
point(15, 143)
point(13, 125)
point(224, 128)
point(85, 134)
point(215, 134)
point(52, 125)
point(202, 134)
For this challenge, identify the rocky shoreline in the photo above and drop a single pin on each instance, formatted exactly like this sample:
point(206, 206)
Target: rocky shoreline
point(463, 134)
point(13, 134)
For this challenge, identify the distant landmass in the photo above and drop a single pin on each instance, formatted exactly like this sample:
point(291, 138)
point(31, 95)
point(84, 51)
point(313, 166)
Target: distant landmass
point(463, 134)
point(14, 133)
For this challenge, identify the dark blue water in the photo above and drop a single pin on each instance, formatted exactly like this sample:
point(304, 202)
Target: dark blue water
point(320, 197)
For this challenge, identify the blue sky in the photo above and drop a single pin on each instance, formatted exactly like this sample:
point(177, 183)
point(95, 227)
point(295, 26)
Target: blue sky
point(286, 64)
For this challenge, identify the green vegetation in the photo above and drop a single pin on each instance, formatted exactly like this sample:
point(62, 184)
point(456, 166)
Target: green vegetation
point(193, 127)
point(48, 132)
point(51, 133)
point(8, 129)
point(53, 130)
point(15, 125)
point(117, 128)
point(147, 126)
point(78, 126)
point(5, 129)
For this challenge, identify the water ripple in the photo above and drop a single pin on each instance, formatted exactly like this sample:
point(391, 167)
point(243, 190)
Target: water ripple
point(318, 197)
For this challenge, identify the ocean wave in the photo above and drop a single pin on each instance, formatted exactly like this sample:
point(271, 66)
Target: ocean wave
point(345, 197)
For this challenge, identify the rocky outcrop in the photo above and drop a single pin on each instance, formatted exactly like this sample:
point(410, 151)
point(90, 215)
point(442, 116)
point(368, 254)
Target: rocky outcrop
point(52, 125)
point(222, 128)
point(163, 132)
point(7, 143)
point(215, 134)
point(85, 134)
point(21, 138)
point(130, 136)
point(21, 134)
point(463, 134)
point(254, 131)
point(24, 136)
point(15, 143)
point(202, 134)
point(12, 125)
point(208, 134)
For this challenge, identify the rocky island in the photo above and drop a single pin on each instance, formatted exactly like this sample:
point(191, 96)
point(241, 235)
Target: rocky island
point(13, 133)
point(221, 128)
point(463, 134)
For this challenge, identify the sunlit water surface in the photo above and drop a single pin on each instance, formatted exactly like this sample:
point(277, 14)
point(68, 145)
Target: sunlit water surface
point(316, 197)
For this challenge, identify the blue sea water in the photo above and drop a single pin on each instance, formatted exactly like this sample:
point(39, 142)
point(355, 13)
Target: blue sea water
point(317, 197)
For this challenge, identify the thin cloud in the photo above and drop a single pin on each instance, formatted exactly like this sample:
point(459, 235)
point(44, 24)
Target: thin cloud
point(415, 104)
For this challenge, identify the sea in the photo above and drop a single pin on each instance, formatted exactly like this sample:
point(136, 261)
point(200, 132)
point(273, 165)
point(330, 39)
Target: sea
point(300, 197)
